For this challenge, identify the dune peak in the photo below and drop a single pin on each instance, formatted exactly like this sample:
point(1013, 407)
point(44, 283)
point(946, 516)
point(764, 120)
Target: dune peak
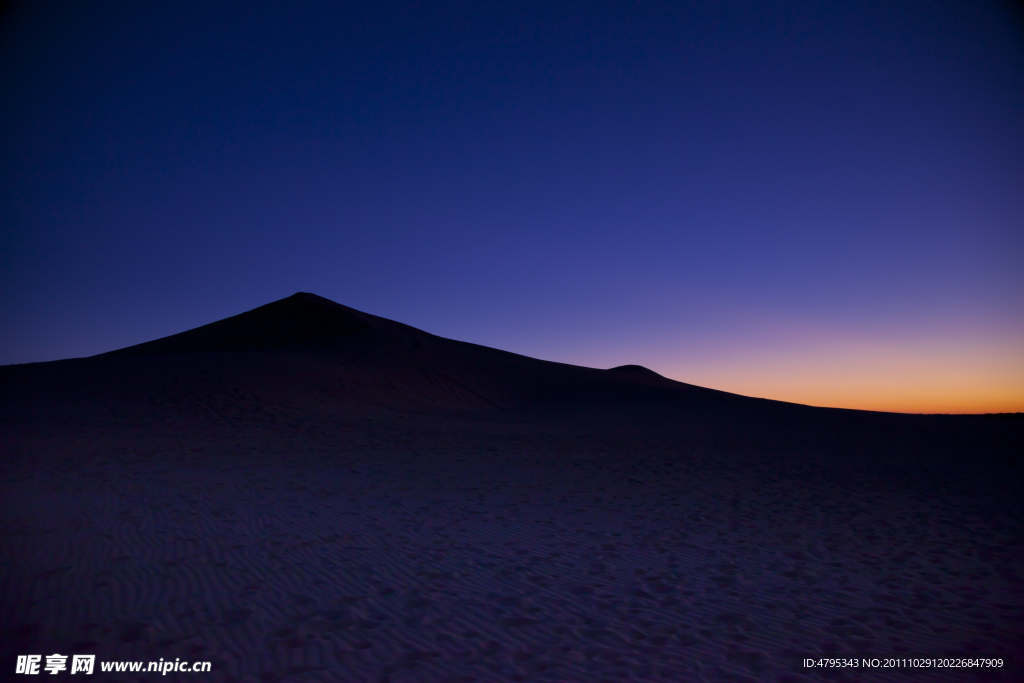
point(638, 369)
point(300, 321)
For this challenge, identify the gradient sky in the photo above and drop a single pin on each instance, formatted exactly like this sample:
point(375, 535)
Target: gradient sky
point(819, 202)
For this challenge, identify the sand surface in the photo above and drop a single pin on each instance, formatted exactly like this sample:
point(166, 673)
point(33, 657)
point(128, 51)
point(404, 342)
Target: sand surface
point(362, 551)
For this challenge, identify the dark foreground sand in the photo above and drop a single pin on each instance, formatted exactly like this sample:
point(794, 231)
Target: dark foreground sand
point(350, 552)
point(363, 543)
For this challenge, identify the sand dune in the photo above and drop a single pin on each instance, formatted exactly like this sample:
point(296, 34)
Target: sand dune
point(307, 492)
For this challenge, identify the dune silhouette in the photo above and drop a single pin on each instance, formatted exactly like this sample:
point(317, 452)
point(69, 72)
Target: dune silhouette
point(309, 352)
point(308, 489)
point(306, 344)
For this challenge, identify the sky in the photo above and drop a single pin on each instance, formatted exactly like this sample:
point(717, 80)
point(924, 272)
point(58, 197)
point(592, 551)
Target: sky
point(817, 202)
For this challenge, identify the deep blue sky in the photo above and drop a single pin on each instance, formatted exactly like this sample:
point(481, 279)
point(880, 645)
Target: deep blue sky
point(814, 201)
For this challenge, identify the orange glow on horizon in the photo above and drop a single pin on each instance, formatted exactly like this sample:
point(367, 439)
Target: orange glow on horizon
point(884, 396)
point(937, 374)
point(885, 379)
